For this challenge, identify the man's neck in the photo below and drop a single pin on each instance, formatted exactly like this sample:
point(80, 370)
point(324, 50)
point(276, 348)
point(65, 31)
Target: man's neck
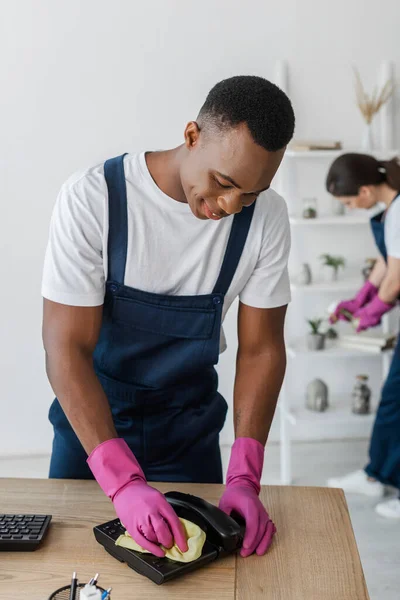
point(164, 167)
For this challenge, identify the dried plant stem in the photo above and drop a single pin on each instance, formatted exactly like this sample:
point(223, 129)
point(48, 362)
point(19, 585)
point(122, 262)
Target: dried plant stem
point(370, 105)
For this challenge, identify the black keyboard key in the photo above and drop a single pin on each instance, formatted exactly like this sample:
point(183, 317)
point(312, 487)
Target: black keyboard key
point(22, 532)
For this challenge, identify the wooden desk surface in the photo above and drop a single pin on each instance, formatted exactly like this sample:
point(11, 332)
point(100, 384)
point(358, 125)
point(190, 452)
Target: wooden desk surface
point(313, 557)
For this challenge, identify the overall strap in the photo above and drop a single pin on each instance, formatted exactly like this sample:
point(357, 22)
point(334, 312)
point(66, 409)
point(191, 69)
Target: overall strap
point(118, 218)
point(237, 239)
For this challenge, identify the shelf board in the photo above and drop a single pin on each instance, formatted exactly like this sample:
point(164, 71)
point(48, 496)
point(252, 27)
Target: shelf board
point(341, 220)
point(332, 154)
point(331, 350)
point(336, 421)
point(342, 285)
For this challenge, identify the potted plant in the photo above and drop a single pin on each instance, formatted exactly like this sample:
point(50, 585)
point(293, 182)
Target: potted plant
point(315, 339)
point(333, 263)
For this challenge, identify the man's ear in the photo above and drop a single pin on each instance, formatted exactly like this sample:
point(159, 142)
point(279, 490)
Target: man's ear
point(192, 134)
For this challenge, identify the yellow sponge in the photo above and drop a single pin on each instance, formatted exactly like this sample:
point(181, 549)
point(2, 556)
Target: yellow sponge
point(195, 539)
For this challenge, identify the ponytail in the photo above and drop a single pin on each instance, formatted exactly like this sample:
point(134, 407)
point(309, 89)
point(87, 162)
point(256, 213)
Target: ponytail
point(351, 171)
point(391, 170)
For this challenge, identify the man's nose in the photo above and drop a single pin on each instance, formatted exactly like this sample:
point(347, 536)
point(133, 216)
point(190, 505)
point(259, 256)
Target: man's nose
point(231, 202)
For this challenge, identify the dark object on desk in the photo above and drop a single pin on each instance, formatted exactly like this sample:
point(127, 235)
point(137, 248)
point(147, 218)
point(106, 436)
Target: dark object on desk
point(64, 592)
point(74, 586)
point(223, 536)
point(22, 533)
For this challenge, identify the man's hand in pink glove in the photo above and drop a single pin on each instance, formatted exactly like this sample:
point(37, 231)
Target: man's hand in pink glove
point(365, 295)
point(241, 495)
point(371, 314)
point(142, 509)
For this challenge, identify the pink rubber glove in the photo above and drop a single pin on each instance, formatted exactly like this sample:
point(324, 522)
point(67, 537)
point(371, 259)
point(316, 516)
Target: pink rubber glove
point(365, 295)
point(142, 509)
point(371, 314)
point(241, 495)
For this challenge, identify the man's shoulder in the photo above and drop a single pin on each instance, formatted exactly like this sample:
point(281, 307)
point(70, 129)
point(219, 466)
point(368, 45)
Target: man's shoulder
point(271, 207)
point(89, 178)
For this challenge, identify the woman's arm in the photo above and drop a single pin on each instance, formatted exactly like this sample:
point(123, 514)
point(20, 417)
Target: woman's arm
point(378, 272)
point(389, 288)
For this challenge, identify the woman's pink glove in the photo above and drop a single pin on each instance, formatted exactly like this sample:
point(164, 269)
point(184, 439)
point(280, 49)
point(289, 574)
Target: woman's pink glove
point(241, 495)
point(371, 314)
point(143, 510)
point(365, 295)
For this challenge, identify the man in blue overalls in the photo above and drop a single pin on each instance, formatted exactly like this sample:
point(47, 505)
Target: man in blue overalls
point(146, 254)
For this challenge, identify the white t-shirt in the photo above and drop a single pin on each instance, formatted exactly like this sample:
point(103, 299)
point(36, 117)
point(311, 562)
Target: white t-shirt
point(170, 251)
point(392, 229)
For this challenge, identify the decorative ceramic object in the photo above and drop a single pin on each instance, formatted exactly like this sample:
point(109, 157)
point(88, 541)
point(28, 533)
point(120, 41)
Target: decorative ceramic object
point(367, 269)
point(317, 396)
point(310, 208)
point(331, 266)
point(305, 276)
point(361, 396)
point(315, 339)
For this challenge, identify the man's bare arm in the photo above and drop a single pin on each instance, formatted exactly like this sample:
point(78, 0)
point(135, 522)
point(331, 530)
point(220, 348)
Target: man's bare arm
point(70, 334)
point(260, 368)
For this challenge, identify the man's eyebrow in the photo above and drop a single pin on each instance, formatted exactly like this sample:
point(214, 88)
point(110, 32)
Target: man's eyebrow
point(236, 185)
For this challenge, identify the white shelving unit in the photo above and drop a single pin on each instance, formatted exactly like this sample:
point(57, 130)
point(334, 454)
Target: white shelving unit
point(338, 418)
point(342, 285)
point(328, 221)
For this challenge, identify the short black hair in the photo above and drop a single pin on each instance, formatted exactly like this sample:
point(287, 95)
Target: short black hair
point(264, 107)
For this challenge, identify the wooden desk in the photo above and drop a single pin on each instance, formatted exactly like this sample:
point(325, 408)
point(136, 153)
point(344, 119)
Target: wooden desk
point(313, 557)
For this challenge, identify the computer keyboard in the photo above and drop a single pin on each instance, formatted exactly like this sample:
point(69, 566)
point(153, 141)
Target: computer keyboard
point(22, 532)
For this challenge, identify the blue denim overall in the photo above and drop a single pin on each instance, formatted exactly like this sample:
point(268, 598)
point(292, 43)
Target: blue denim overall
point(384, 449)
point(155, 360)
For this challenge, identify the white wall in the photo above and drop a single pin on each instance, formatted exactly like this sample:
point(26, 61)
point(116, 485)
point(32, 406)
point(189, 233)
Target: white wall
point(83, 81)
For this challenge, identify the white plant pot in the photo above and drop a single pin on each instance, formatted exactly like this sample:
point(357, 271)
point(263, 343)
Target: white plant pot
point(316, 341)
point(329, 275)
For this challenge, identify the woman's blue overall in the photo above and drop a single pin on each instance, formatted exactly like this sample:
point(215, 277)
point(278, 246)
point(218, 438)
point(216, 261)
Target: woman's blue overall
point(384, 449)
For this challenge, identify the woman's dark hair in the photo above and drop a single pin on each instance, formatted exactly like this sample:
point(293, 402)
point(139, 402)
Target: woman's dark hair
point(265, 109)
point(350, 171)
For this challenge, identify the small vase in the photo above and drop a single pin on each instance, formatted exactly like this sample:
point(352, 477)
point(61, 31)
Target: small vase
point(361, 396)
point(310, 210)
point(367, 142)
point(305, 277)
point(317, 396)
point(315, 341)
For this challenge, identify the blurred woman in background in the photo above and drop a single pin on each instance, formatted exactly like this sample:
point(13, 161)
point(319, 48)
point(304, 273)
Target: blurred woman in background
point(361, 181)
